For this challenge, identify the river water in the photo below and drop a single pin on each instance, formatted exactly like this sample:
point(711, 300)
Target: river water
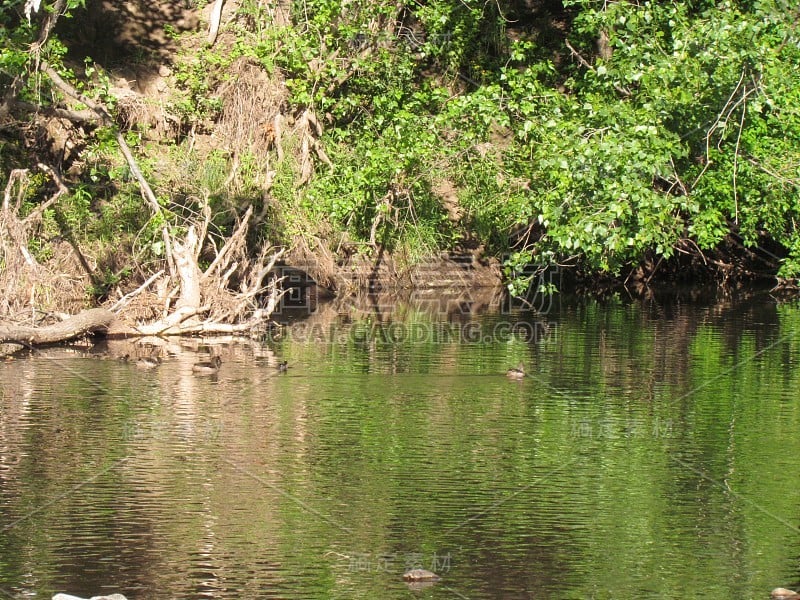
point(652, 451)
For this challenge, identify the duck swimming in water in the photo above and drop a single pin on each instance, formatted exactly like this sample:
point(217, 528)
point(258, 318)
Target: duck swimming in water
point(420, 575)
point(516, 373)
point(148, 362)
point(209, 367)
point(283, 366)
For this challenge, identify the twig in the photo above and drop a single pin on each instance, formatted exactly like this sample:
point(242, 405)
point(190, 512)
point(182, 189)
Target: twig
point(726, 111)
point(736, 161)
point(585, 63)
point(774, 174)
point(131, 295)
point(702, 172)
point(678, 180)
point(277, 127)
point(237, 237)
point(693, 243)
point(62, 189)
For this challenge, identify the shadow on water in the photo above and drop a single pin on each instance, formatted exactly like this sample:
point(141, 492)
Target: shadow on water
point(650, 451)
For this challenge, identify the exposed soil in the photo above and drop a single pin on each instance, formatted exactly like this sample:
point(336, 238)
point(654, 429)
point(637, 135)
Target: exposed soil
point(128, 34)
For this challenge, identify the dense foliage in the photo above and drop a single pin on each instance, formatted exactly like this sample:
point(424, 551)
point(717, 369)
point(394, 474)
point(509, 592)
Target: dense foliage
point(582, 132)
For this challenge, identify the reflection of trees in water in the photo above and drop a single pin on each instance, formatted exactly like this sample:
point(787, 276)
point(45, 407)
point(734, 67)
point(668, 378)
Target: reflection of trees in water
point(456, 305)
point(208, 493)
point(646, 348)
point(98, 459)
point(16, 390)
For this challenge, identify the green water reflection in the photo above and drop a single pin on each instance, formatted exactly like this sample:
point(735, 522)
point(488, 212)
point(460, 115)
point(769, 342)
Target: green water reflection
point(651, 452)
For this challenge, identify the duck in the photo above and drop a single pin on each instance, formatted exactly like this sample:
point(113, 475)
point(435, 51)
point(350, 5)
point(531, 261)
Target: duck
point(283, 366)
point(420, 575)
point(211, 366)
point(517, 372)
point(71, 597)
point(148, 362)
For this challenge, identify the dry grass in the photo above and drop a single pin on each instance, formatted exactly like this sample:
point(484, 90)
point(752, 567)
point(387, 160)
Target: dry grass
point(313, 256)
point(251, 101)
point(25, 283)
point(140, 113)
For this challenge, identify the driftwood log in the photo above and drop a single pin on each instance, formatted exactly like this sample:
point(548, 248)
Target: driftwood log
point(94, 320)
point(71, 597)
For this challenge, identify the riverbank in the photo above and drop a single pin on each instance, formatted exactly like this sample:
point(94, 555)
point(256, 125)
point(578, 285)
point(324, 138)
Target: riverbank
point(396, 147)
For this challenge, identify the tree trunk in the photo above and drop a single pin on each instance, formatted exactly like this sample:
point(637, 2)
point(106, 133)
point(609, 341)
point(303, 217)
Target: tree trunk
point(185, 255)
point(604, 49)
point(95, 320)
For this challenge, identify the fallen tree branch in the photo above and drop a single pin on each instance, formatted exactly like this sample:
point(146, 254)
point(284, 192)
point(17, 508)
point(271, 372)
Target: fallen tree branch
point(78, 116)
point(16, 175)
point(214, 327)
point(94, 320)
point(164, 326)
point(205, 327)
point(256, 286)
point(186, 253)
point(233, 243)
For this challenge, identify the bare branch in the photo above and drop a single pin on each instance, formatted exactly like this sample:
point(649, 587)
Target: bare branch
point(585, 63)
point(78, 116)
point(105, 116)
point(14, 176)
point(232, 242)
point(122, 302)
point(580, 58)
point(62, 189)
point(216, 16)
point(59, 8)
point(172, 321)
